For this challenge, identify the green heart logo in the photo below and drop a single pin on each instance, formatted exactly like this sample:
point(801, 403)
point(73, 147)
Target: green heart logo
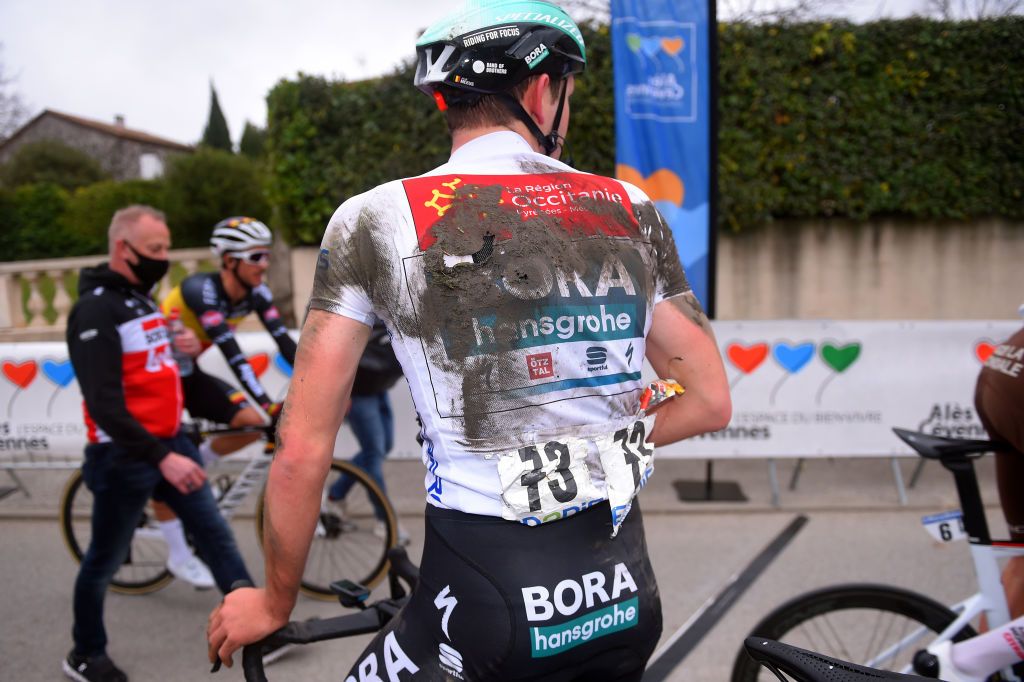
point(633, 41)
point(840, 358)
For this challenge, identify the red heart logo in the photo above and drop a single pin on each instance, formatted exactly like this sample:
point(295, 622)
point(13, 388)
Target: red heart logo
point(259, 363)
point(21, 375)
point(984, 350)
point(747, 358)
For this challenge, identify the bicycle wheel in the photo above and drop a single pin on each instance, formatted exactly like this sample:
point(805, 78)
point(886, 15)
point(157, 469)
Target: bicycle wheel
point(145, 568)
point(351, 539)
point(875, 625)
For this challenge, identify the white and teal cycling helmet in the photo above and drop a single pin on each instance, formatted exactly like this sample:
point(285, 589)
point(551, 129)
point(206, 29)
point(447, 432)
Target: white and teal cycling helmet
point(239, 234)
point(490, 46)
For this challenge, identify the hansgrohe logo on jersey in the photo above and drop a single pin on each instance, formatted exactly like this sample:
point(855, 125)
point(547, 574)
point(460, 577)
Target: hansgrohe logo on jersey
point(569, 597)
point(556, 309)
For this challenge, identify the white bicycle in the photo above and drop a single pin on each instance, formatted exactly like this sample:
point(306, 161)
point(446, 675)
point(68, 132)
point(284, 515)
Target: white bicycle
point(886, 627)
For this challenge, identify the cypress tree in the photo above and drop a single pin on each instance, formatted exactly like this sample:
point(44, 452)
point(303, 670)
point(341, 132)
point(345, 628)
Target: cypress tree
point(253, 141)
point(216, 134)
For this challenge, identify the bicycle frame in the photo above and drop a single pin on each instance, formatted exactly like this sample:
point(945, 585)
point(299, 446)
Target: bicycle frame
point(251, 477)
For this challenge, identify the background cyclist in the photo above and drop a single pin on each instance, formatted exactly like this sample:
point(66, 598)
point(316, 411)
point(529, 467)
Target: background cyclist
point(212, 304)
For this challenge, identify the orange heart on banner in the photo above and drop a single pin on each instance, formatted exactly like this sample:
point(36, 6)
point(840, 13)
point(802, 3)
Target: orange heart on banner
point(672, 46)
point(259, 363)
point(747, 358)
point(984, 350)
point(21, 375)
point(661, 185)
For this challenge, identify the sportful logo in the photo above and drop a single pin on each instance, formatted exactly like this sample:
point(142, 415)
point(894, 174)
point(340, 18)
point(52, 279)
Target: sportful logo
point(597, 358)
point(569, 597)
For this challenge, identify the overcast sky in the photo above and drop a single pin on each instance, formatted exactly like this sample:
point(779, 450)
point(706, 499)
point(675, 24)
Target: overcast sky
point(153, 61)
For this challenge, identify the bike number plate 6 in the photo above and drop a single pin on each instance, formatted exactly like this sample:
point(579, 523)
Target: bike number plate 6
point(555, 479)
point(945, 527)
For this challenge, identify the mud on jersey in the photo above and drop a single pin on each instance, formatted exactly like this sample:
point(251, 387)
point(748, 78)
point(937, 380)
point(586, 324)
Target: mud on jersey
point(518, 292)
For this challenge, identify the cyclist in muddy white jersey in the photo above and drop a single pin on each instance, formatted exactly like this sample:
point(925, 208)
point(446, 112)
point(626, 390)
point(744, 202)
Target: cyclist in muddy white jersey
point(522, 297)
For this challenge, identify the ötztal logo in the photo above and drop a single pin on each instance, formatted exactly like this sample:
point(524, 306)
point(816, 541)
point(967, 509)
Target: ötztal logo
point(540, 365)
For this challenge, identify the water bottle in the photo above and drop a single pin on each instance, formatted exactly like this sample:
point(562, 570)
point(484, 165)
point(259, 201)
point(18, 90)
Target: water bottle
point(184, 360)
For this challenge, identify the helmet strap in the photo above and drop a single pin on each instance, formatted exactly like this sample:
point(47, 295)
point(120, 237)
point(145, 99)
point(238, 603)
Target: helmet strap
point(549, 142)
point(234, 273)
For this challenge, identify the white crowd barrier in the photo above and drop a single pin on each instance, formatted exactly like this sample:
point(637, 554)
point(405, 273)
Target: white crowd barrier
point(799, 388)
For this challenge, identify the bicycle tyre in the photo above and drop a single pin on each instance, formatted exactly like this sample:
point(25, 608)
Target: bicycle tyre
point(347, 544)
point(145, 569)
point(818, 620)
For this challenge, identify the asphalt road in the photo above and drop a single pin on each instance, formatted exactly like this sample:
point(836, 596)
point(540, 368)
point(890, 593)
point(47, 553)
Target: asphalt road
point(857, 531)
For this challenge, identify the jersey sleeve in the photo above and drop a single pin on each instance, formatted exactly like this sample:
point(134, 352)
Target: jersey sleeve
point(669, 275)
point(341, 284)
point(214, 323)
point(94, 346)
point(263, 304)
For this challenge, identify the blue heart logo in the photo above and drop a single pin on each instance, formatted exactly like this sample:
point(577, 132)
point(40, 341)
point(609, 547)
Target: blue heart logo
point(650, 46)
point(793, 358)
point(283, 365)
point(60, 373)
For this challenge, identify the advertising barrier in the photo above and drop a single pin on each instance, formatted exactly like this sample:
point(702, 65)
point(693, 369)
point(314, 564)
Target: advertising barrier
point(799, 389)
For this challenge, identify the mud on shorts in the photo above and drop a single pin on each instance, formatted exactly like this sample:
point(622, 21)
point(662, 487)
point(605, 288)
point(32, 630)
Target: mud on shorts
point(1000, 406)
point(498, 600)
point(208, 397)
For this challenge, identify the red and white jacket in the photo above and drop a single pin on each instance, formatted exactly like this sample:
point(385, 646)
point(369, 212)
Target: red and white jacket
point(120, 349)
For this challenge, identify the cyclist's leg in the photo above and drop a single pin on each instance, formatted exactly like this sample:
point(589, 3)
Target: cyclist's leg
point(1003, 418)
point(214, 399)
point(981, 656)
point(120, 492)
point(214, 541)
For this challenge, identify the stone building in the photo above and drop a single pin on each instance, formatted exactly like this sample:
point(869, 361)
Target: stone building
point(124, 153)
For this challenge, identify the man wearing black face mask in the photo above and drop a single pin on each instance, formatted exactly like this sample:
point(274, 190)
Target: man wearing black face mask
point(119, 346)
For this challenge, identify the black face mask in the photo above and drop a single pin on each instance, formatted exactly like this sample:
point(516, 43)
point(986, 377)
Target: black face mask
point(148, 270)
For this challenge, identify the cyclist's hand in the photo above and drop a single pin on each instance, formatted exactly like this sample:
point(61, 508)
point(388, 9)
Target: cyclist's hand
point(658, 391)
point(242, 618)
point(182, 472)
point(186, 341)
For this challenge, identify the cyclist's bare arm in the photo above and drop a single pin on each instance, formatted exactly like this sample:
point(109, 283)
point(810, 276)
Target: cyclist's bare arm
point(329, 349)
point(681, 345)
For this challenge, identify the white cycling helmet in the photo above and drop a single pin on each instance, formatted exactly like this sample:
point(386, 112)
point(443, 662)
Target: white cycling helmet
point(239, 234)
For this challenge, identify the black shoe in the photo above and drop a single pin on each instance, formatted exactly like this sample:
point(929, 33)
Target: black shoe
point(92, 669)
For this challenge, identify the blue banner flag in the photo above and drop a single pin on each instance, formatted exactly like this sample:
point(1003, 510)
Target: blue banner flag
point(663, 92)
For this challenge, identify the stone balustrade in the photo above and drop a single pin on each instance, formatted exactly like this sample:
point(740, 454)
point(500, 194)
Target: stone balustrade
point(36, 296)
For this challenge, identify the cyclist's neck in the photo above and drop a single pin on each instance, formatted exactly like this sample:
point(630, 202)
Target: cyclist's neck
point(235, 290)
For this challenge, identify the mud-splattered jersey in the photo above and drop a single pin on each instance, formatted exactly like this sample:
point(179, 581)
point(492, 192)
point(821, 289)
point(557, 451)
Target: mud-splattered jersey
point(518, 293)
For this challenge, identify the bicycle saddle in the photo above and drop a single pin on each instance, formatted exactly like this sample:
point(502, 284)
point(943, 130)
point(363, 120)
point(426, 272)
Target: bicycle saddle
point(934, 447)
point(801, 665)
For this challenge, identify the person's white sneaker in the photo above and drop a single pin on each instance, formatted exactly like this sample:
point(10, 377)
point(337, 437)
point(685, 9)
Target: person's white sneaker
point(948, 672)
point(194, 571)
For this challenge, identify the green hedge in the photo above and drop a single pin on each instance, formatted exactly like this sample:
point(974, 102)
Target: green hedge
point(43, 220)
point(913, 118)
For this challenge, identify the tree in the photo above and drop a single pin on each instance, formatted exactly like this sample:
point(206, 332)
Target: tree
point(216, 134)
point(12, 110)
point(253, 142)
point(49, 161)
point(205, 187)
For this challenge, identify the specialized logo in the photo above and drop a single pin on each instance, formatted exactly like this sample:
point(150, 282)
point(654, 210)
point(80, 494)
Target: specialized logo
point(629, 355)
point(568, 598)
point(540, 366)
point(395, 661)
point(444, 601)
